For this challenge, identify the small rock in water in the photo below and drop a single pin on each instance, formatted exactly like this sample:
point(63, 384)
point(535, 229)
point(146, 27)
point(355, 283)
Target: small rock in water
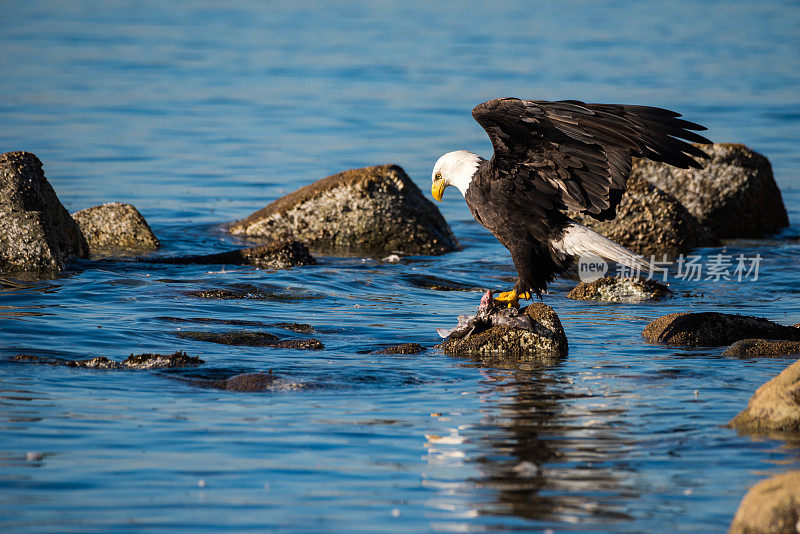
point(248, 382)
point(774, 407)
point(405, 348)
point(115, 227)
point(770, 507)
point(518, 334)
point(746, 348)
point(374, 210)
point(712, 329)
point(613, 289)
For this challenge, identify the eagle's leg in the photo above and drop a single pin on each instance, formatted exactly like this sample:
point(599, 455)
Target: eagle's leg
point(511, 298)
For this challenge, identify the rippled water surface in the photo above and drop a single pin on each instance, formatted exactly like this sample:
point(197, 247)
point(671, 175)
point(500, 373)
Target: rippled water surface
point(200, 113)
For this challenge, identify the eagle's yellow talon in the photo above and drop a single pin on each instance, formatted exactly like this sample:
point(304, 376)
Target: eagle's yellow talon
point(511, 298)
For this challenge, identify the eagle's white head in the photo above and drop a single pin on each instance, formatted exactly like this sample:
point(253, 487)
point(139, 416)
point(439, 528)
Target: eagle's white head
point(456, 169)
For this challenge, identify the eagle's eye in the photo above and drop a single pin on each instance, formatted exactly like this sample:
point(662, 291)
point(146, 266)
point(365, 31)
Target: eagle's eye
point(438, 176)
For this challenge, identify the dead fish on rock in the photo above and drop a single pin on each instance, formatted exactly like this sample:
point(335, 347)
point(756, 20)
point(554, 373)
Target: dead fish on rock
point(489, 315)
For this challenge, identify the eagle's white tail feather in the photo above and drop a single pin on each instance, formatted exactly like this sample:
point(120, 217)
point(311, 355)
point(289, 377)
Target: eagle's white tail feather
point(578, 240)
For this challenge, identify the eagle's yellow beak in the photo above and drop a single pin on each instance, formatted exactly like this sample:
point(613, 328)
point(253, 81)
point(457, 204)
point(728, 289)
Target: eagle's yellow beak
point(437, 189)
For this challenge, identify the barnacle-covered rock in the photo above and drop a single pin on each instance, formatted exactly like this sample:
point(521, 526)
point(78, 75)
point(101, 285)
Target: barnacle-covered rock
point(538, 334)
point(36, 232)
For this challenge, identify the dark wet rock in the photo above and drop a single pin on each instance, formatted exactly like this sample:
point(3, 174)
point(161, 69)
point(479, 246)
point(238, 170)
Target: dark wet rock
point(734, 195)
point(300, 344)
point(277, 255)
point(138, 361)
point(255, 382)
point(161, 361)
point(251, 339)
point(374, 210)
point(405, 348)
point(747, 348)
point(251, 292)
point(770, 507)
point(545, 337)
point(613, 289)
point(650, 222)
point(115, 228)
point(36, 231)
point(712, 329)
point(774, 407)
point(300, 328)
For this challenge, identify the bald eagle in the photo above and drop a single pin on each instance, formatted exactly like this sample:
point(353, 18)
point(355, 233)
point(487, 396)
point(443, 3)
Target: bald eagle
point(550, 157)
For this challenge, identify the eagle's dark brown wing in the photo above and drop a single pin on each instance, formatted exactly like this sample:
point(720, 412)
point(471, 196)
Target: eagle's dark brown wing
point(571, 155)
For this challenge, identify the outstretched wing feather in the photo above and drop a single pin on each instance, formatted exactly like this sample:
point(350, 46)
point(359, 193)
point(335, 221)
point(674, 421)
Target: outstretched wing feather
point(582, 151)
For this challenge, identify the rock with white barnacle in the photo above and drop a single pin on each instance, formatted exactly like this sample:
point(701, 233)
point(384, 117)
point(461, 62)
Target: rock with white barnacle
point(614, 289)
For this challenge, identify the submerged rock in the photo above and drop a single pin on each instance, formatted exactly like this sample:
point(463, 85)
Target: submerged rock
point(405, 348)
point(138, 361)
point(248, 382)
point(613, 289)
point(774, 407)
point(115, 227)
point(733, 195)
point(252, 292)
point(650, 222)
point(533, 333)
point(252, 339)
point(277, 255)
point(712, 329)
point(770, 507)
point(746, 348)
point(36, 231)
point(374, 209)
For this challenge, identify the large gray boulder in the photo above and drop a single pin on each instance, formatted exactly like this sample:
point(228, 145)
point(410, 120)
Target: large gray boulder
point(373, 210)
point(36, 231)
point(774, 407)
point(712, 329)
point(770, 507)
point(733, 195)
point(650, 222)
point(115, 227)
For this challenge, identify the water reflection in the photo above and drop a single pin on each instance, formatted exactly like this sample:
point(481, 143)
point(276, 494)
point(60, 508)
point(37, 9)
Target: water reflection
point(546, 461)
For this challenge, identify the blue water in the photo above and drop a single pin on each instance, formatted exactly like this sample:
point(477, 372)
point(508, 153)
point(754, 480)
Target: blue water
point(200, 113)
